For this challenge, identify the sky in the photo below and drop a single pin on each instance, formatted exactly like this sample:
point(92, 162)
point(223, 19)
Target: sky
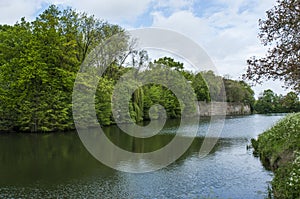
point(226, 29)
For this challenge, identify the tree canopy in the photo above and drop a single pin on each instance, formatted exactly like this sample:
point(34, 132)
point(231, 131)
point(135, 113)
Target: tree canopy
point(40, 60)
point(38, 65)
point(270, 102)
point(280, 31)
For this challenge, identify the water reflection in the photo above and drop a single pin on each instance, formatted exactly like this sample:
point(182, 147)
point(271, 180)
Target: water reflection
point(60, 157)
point(49, 158)
point(57, 165)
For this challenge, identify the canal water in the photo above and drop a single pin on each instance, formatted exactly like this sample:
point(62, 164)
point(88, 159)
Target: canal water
point(57, 165)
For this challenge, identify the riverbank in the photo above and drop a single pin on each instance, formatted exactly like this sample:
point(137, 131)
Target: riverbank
point(279, 151)
point(204, 109)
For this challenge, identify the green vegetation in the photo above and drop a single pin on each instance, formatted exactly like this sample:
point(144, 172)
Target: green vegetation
point(39, 61)
point(239, 91)
point(38, 66)
point(279, 150)
point(269, 102)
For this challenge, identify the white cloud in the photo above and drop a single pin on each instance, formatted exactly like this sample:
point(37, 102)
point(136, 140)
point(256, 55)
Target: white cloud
point(276, 86)
point(228, 32)
point(228, 35)
point(112, 10)
point(12, 11)
point(184, 22)
point(174, 5)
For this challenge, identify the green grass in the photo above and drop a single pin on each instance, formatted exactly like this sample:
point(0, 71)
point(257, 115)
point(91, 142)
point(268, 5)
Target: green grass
point(279, 150)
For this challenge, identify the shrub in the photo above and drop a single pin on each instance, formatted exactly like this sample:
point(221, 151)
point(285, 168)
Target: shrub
point(279, 150)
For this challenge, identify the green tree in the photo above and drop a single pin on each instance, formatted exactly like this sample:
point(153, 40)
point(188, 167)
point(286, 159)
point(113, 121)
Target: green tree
point(167, 69)
point(270, 102)
point(215, 84)
point(13, 50)
point(266, 102)
point(239, 91)
point(48, 75)
point(39, 62)
point(291, 103)
point(152, 96)
point(103, 101)
point(201, 88)
point(170, 62)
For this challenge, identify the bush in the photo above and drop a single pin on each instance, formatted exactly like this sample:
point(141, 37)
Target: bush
point(286, 183)
point(278, 149)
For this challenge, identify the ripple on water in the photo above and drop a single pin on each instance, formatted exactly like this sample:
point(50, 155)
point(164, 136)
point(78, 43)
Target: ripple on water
point(230, 171)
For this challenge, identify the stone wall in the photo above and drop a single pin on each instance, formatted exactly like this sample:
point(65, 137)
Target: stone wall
point(222, 108)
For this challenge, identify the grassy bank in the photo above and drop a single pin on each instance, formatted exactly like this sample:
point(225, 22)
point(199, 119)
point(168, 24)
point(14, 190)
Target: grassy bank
point(279, 151)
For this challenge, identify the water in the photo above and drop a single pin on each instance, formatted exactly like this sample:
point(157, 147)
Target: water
point(58, 166)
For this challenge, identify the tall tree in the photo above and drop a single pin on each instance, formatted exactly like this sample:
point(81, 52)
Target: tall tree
point(291, 102)
point(201, 88)
point(239, 91)
point(38, 65)
point(215, 84)
point(281, 32)
point(15, 42)
point(47, 76)
point(266, 102)
point(169, 62)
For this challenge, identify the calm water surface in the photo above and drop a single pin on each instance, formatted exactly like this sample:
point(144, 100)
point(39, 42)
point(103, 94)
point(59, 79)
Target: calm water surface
point(58, 165)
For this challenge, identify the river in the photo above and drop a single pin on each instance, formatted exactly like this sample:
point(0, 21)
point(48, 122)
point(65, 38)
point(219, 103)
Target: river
point(58, 166)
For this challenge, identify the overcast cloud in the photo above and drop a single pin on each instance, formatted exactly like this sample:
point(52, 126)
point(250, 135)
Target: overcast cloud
point(226, 29)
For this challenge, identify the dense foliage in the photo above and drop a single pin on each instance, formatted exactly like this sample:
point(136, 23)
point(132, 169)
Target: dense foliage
point(270, 102)
point(279, 150)
point(38, 66)
point(239, 91)
point(39, 62)
point(281, 32)
point(233, 90)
